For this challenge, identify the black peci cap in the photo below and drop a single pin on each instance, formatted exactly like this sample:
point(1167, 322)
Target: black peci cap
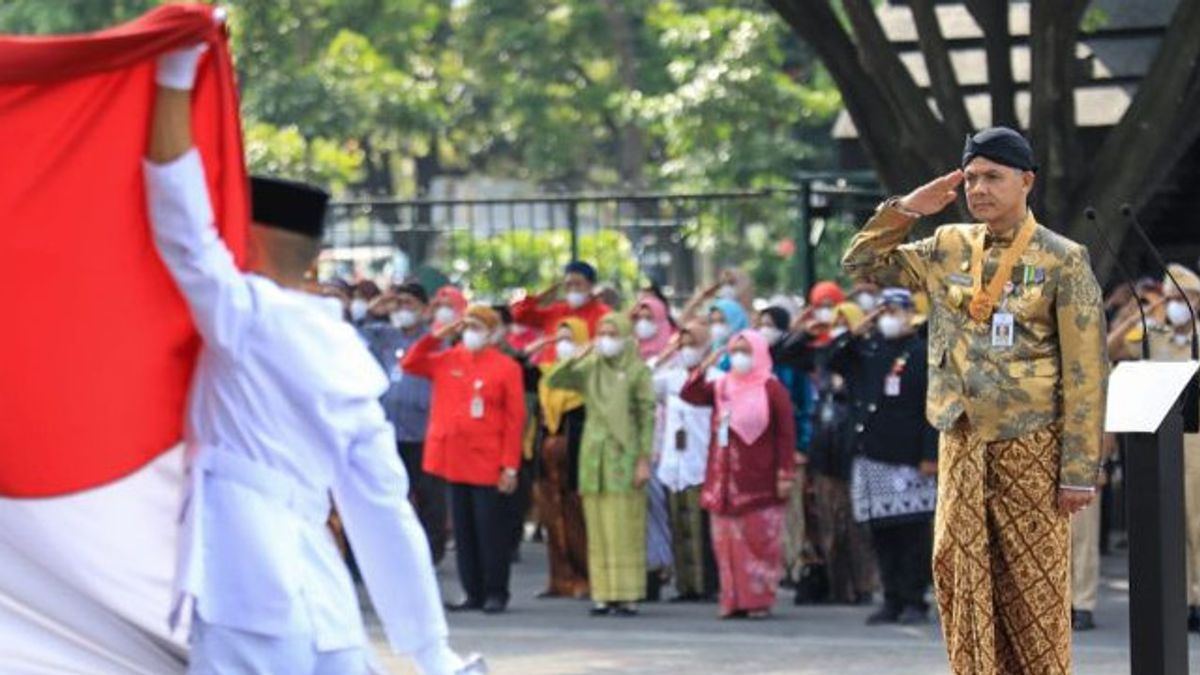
point(1002, 145)
point(288, 205)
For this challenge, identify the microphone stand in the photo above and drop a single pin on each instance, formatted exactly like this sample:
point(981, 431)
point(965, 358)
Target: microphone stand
point(1090, 214)
point(1191, 409)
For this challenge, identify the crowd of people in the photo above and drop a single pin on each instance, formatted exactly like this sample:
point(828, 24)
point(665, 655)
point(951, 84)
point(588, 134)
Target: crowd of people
point(725, 448)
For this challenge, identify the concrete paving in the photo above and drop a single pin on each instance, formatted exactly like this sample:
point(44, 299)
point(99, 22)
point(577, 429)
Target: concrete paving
point(557, 637)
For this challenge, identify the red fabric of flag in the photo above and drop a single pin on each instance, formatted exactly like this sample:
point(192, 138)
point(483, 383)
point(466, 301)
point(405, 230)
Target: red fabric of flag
point(96, 345)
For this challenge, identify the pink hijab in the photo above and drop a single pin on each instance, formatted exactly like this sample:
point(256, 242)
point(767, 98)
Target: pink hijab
point(745, 396)
point(658, 310)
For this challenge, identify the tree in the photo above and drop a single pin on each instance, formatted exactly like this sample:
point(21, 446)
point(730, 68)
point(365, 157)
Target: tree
point(907, 140)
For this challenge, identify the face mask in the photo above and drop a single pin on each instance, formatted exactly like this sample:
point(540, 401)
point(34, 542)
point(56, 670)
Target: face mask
point(358, 309)
point(1177, 313)
point(444, 315)
point(720, 331)
point(564, 349)
point(609, 346)
point(823, 315)
point(727, 292)
point(772, 334)
point(474, 339)
point(891, 326)
point(741, 362)
point(690, 356)
point(404, 318)
point(577, 299)
point(645, 329)
point(866, 301)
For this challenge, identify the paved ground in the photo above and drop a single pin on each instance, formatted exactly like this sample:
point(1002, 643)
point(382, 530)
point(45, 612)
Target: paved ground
point(557, 637)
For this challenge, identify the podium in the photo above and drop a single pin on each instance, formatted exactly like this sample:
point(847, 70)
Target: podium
point(1145, 403)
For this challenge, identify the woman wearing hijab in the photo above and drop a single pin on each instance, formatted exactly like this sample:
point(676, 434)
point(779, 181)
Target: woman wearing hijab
point(654, 332)
point(726, 318)
point(474, 441)
point(751, 469)
point(614, 461)
point(683, 458)
point(561, 422)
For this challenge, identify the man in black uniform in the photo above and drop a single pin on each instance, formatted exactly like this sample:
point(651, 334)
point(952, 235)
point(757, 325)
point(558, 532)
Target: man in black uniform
point(893, 479)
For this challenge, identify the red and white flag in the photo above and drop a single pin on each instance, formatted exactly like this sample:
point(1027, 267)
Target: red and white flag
point(97, 348)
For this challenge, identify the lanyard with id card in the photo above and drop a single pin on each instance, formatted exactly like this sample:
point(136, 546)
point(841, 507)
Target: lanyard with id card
point(1003, 326)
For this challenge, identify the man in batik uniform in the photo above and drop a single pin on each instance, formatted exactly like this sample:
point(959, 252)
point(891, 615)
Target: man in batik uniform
point(1016, 387)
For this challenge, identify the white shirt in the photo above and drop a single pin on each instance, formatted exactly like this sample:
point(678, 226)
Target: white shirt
point(284, 414)
point(682, 469)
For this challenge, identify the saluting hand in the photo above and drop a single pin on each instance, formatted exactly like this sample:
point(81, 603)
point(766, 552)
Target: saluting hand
point(450, 329)
point(711, 360)
point(868, 321)
point(933, 196)
point(550, 292)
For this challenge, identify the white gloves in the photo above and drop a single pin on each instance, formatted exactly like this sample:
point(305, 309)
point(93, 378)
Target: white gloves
point(177, 69)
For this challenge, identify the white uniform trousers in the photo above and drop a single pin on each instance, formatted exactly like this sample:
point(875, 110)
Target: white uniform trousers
point(218, 650)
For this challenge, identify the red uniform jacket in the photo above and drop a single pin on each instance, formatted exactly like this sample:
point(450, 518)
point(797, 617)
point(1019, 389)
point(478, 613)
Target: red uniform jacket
point(458, 446)
point(743, 477)
point(546, 319)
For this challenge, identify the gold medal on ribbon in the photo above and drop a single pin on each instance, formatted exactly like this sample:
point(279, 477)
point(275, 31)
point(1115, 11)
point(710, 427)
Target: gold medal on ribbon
point(981, 307)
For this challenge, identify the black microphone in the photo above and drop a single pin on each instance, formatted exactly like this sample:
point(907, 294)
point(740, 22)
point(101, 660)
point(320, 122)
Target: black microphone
point(1090, 214)
point(1191, 405)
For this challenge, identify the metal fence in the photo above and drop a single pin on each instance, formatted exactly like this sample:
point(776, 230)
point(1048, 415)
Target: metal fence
point(676, 240)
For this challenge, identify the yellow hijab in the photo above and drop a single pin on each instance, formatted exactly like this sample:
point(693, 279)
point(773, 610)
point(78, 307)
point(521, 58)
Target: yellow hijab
point(556, 403)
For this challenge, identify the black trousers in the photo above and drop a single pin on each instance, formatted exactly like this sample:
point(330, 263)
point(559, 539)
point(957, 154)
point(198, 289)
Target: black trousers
point(905, 555)
point(428, 496)
point(482, 540)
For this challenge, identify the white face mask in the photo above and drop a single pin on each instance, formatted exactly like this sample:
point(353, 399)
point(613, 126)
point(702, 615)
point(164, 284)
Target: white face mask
point(823, 315)
point(720, 331)
point(444, 315)
point(1177, 313)
point(358, 309)
point(474, 339)
point(728, 292)
point(645, 329)
point(741, 362)
point(772, 334)
point(577, 299)
point(866, 301)
point(690, 356)
point(891, 326)
point(564, 349)
point(609, 346)
point(404, 318)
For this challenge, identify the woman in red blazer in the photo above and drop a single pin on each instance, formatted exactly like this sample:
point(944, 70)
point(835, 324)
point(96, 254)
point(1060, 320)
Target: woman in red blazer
point(476, 421)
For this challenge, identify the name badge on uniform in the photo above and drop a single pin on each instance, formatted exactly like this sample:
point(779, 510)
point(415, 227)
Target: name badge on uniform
point(477, 401)
point(723, 431)
point(891, 385)
point(1002, 330)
